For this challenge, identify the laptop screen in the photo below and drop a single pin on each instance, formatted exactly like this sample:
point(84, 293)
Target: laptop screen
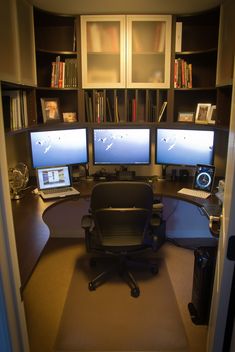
point(53, 177)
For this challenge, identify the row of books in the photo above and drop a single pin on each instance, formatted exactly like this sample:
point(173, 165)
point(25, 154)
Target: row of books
point(15, 109)
point(64, 73)
point(99, 113)
point(182, 74)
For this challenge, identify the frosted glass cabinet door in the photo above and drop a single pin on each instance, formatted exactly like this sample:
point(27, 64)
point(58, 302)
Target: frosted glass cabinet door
point(103, 51)
point(148, 50)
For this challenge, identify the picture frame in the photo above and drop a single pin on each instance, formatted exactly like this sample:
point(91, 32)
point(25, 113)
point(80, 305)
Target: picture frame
point(69, 117)
point(186, 116)
point(211, 117)
point(50, 109)
point(202, 111)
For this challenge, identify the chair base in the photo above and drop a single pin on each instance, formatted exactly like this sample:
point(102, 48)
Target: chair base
point(122, 268)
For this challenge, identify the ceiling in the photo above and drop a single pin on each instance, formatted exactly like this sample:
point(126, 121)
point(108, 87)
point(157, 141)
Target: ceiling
point(125, 6)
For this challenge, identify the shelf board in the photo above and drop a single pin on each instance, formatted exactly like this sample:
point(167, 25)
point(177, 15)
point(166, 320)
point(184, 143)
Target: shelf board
point(197, 52)
point(195, 88)
point(54, 88)
point(56, 52)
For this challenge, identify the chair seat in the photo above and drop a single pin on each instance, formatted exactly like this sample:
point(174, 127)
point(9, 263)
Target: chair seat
point(127, 241)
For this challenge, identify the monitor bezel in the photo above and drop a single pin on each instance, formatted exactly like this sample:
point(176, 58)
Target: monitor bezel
point(186, 129)
point(120, 128)
point(48, 129)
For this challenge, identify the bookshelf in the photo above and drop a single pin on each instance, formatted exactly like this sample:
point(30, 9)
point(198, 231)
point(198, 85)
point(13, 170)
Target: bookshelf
point(57, 40)
point(196, 45)
point(130, 98)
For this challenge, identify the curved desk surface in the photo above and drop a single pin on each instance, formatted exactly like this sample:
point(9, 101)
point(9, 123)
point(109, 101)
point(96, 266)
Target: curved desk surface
point(32, 233)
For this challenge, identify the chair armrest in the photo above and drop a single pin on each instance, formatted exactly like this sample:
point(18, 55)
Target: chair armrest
point(86, 222)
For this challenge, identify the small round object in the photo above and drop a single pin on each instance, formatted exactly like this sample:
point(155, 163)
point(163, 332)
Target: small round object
point(91, 286)
point(135, 292)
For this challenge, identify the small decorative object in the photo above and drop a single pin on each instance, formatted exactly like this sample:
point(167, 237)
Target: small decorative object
point(185, 116)
point(50, 109)
point(202, 113)
point(211, 117)
point(69, 116)
point(18, 179)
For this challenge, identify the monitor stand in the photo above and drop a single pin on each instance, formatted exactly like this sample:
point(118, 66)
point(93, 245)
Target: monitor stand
point(124, 175)
point(163, 176)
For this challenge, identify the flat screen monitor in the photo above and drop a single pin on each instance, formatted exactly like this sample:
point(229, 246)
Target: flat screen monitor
point(184, 147)
point(121, 146)
point(59, 147)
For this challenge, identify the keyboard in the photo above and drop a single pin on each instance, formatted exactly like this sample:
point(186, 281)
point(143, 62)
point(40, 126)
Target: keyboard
point(194, 193)
point(57, 190)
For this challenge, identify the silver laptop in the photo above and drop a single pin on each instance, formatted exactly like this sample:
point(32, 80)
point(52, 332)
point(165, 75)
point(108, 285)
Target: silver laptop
point(55, 182)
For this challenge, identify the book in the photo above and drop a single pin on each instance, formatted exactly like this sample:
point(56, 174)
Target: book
point(161, 112)
point(18, 108)
point(109, 114)
point(178, 37)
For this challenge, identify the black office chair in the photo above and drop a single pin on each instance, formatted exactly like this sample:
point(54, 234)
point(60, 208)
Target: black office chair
point(119, 225)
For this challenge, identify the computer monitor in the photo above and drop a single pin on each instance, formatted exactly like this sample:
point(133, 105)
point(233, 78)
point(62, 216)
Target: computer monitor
point(121, 146)
point(184, 147)
point(59, 147)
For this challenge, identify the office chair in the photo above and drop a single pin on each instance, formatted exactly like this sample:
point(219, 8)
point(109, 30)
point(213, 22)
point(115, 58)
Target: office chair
point(119, 225)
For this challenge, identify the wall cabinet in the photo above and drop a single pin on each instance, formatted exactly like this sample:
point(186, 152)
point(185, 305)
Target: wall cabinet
point(17, 63)
point(126, 51)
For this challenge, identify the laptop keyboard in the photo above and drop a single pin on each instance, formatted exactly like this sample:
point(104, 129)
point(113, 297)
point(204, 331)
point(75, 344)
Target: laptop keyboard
point(194, 193)
point(57, 190)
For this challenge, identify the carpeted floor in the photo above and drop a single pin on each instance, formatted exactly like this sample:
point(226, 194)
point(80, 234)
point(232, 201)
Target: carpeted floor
point(110, 319)
point(46, 293)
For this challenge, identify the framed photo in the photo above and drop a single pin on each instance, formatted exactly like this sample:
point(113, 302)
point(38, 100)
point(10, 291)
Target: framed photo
point(186, 117)
point(69, 116)
point(202, 113)
point(212, 115)
point(50, 109)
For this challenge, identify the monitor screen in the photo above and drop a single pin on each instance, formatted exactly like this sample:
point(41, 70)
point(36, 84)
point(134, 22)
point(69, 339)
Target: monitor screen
point(121, 146)
point(184, 147)
point(59, 147)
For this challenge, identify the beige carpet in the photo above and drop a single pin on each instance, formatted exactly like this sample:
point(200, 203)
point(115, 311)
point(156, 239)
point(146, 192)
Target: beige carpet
point(109, 319)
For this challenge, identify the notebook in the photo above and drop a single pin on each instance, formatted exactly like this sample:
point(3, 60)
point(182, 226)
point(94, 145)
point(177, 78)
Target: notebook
point(55, 182)
point(202, 183)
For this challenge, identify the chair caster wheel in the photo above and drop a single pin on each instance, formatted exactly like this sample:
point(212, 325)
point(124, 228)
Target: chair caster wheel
point(135, 292)
point(154, 270)
point(91, 286)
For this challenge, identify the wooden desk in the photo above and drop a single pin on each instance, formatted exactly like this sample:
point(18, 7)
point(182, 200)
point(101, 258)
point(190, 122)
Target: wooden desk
point(32, 233)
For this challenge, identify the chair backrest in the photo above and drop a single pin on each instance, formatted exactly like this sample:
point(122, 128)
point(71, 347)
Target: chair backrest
point(122, 211)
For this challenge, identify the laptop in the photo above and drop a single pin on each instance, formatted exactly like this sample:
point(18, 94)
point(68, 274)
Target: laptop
point(55, 182)
point(202, 183)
